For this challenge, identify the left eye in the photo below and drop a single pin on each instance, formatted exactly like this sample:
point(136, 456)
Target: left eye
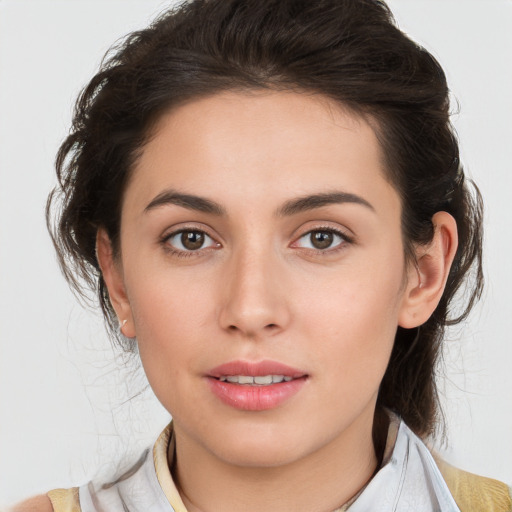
point(190, 240)
point(321, 239)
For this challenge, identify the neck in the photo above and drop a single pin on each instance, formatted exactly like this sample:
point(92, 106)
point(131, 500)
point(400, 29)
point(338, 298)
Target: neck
point(323, 480)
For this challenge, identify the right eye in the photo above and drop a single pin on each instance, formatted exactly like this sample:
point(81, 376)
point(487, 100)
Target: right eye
point(189, 240)
point(324, 240)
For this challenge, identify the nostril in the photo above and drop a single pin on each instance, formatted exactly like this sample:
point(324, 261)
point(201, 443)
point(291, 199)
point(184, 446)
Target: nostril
point(269, 327)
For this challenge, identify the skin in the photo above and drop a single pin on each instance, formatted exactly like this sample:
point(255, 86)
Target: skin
point(258, 289)
point(36, 504)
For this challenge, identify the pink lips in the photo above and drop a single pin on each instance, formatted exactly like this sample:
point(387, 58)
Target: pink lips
point(254, 397)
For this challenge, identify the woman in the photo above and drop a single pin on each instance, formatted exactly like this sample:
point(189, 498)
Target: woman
point(269, 200)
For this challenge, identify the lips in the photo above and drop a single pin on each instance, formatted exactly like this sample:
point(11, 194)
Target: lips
point(263, 380)
point(259, 369)
point(255, 386)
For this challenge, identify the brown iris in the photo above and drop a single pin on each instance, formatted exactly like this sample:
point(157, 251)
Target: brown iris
point(321, 239)
point(192, 240)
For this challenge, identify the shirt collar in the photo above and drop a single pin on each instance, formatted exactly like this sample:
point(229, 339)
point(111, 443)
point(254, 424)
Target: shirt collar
point(407, 472)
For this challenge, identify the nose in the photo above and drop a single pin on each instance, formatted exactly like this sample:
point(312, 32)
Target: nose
point(255, 303)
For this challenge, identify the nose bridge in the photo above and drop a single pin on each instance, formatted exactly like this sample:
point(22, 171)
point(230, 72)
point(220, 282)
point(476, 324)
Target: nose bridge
point(254, 302)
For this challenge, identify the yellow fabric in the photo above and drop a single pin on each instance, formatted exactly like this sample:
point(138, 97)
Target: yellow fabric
point(65, 500)
point(163, 446)
point(474, 493)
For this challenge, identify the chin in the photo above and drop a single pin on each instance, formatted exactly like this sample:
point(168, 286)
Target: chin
point(260, 445)
point(258, 455)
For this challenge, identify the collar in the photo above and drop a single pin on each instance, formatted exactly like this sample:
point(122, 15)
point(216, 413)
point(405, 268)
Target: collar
point(166, 444)
point(408, 478)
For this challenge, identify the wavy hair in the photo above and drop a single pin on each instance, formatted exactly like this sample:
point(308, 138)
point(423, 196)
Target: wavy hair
point(350, 51)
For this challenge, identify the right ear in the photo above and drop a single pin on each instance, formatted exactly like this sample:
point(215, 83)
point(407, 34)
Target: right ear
point(114, 280)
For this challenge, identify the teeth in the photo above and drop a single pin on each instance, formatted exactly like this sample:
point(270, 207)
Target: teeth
point(263, 380)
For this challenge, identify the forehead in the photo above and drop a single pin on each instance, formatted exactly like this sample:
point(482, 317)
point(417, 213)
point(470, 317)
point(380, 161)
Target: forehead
point(260, 144)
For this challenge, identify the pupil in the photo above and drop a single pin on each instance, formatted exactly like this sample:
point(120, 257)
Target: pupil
point(192, 240)
point(321, 239)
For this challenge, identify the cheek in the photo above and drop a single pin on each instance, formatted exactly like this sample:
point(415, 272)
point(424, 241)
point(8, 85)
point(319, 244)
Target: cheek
point(169, 318)
point(354, 322)
point(166, 301)
point(364, 296)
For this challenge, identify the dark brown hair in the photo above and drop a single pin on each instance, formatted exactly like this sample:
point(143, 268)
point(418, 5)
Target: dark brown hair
point(350, 51)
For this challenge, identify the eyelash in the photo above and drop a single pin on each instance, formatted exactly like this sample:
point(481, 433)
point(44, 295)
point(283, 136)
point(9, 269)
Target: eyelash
point(345, 239)
point(183, 253)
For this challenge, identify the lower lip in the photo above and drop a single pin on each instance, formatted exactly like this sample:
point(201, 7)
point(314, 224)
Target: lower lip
point(255, 398)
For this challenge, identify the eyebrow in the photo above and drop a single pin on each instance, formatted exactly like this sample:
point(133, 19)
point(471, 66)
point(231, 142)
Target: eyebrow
point(189, 201)
point(311, 202)
point(292, 207)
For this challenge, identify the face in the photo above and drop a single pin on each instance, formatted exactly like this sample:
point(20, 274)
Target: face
point(262, 272)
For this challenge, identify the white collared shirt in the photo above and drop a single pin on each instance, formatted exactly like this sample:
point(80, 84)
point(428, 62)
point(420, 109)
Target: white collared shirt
point(408, 480)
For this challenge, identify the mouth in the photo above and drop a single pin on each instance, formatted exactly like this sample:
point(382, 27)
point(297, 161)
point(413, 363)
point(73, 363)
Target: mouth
point(264, 372)
point(260, 380)
point(258, 386)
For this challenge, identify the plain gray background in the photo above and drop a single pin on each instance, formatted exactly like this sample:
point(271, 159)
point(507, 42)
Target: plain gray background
point(64, 408)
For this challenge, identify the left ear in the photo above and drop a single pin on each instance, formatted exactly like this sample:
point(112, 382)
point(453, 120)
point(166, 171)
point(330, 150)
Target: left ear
point(426, 278)
point(114, 280)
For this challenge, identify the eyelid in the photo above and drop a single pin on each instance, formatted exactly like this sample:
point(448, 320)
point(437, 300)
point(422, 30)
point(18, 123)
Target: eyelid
point(178, 233)
point(345, 238)
point(175, 231)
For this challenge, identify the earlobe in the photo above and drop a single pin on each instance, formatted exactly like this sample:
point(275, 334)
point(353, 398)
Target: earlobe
point(114, 281)
point(427, 278)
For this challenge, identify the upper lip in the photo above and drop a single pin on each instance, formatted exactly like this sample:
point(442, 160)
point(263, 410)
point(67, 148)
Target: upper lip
point(255, 369)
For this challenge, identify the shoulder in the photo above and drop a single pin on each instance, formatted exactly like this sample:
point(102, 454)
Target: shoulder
point(36, 504)
point(474, 493)
point(58, 500)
